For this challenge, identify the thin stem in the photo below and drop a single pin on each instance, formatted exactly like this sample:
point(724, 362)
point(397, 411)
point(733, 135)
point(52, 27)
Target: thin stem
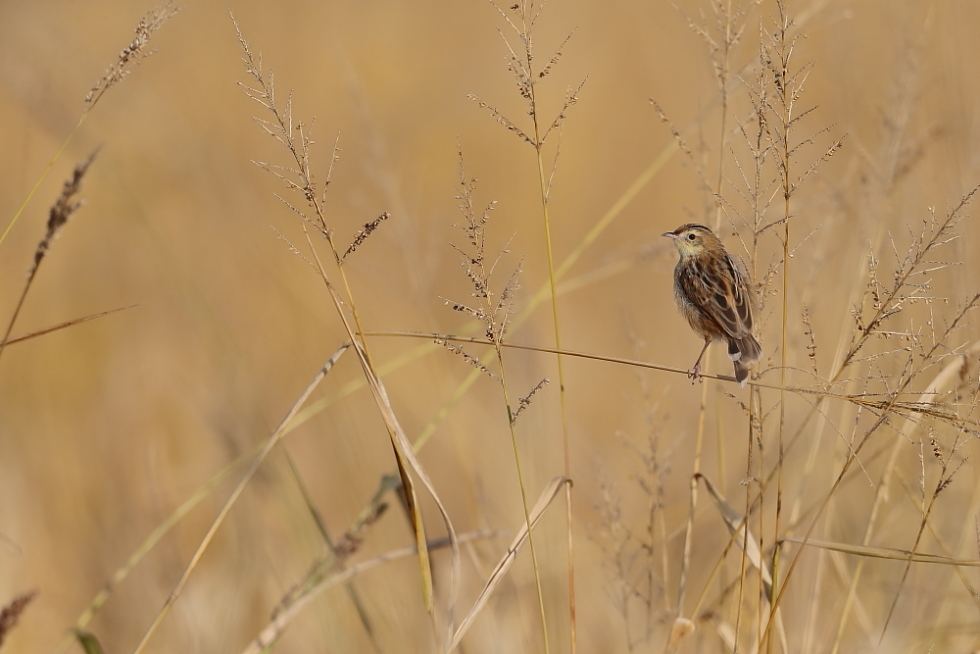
point(270, 443)
point(44, 173)
point(723, 88)
point(350, 300)
point(543, 187)
point(693, 501)
point(787, 101)
point(527, 514)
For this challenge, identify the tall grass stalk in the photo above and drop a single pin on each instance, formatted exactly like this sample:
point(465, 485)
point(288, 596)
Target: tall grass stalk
point(527, 76)
point(494, 310)
point(511, 419)
point(787, 95)
point(300, 179)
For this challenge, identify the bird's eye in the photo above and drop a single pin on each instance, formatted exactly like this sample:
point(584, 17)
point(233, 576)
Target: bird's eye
point(691, 236)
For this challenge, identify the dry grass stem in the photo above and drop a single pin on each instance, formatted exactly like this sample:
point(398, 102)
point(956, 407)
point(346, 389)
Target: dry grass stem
point(887, 553)
point(494, 309)
point(299, 177)
point(498, 573)
point(639, 558)
point(62, 325)
point(270, 443)
point(281, 619)
point(521, 64)
point(148, 544)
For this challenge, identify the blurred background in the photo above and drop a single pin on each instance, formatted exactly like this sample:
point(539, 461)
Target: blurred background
point(108, 426)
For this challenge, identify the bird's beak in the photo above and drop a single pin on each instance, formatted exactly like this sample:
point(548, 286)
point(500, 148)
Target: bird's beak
point(670, 235)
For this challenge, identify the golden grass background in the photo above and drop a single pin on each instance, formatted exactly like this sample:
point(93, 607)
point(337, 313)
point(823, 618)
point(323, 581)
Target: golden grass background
point(106, 427)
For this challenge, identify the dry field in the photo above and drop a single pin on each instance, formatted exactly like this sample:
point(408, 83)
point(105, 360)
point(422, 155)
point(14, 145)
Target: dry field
point(188, 445)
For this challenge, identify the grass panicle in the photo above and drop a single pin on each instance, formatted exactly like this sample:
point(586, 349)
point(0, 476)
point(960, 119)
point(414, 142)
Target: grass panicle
point(11, 612)
point(64, 207)
point(134, 53)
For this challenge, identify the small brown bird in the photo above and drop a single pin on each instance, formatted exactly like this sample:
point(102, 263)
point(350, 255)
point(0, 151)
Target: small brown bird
point(712, 294)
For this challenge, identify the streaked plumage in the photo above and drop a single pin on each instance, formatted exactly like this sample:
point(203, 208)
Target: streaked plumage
point(712, 293)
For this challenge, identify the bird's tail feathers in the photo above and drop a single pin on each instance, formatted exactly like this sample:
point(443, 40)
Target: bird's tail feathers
point(734, 353)
point(744, 352)
point(741, 373)
point(747, 350)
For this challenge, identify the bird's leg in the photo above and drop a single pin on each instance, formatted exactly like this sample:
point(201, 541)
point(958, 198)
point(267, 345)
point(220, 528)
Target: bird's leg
point(695, 373)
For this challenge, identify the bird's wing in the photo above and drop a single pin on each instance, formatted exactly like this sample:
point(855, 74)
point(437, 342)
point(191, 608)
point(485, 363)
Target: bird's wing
point(717, 287)
point(741, 296)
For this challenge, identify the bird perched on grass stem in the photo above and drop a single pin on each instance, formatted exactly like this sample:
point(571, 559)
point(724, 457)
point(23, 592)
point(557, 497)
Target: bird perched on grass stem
point(713, 295)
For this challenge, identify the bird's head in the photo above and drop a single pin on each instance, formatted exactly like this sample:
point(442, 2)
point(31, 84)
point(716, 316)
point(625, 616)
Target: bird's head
point(693, 239)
